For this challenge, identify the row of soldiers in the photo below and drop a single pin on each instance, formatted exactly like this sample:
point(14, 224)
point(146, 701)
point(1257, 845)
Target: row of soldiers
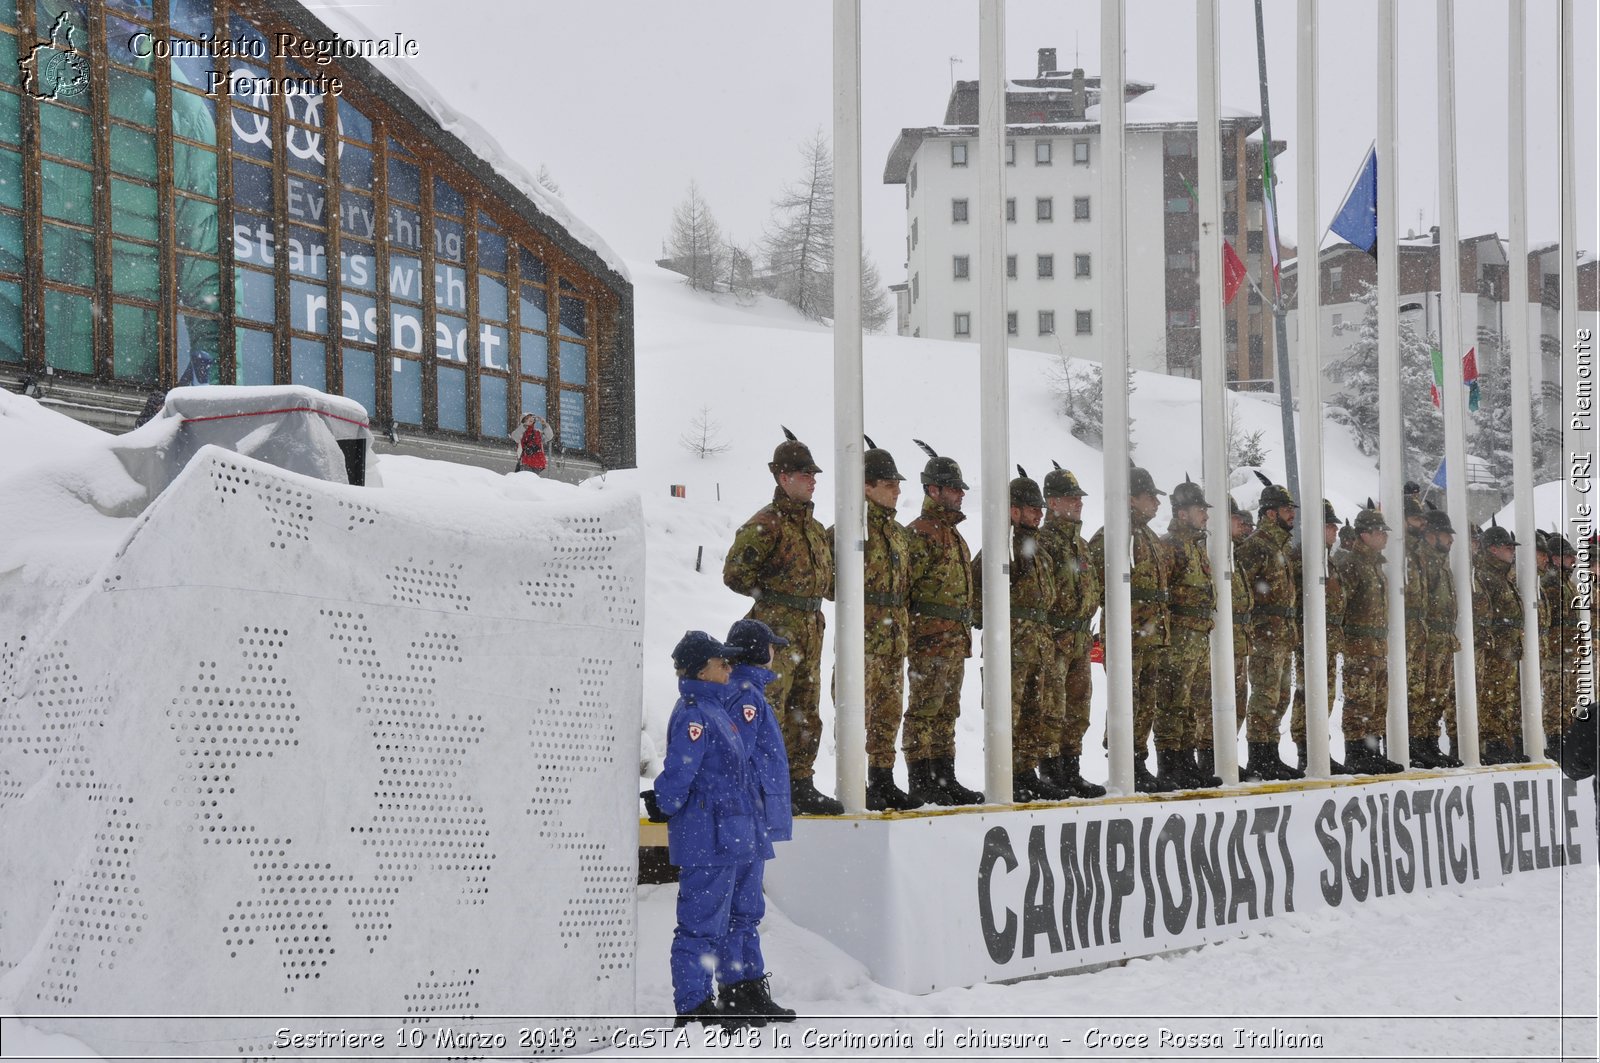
point(923, 598)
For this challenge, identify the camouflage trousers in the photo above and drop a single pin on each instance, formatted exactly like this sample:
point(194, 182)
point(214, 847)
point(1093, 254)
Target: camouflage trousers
point(1073, 685)
point(886, 696)
point(795, 693)
point(1033, 678)
point(1419, 692)
point(1499, 698)
point(1205, 733)
point(1441, 693)
point(1297, 719)
point(1559, 687)
point(930, 722)
point(1146, 695)
point(1185, 692)
point(1366, 696)
point(1269, 691)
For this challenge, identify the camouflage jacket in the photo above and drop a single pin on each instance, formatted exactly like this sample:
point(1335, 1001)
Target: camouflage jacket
point(1570, 636)
point(1442, 604)
point(1496, 608)
point(1193, 595)
point(1332, 601)
point(1077, 581)
point(783, 559)
point(1269, 573)
point(1551, 600)
point(1148, 593)
point(888, 582)
point(941, 584)
point(1033, 587)
point(1366, 605)
point(1241, 614)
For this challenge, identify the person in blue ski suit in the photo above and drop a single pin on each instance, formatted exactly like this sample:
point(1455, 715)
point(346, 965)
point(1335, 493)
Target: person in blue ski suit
point(715, 829)
point(745, 989)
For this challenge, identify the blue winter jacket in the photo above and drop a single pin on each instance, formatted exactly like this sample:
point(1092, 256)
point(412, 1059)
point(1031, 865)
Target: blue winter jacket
point(763, 739)
point(705, 786)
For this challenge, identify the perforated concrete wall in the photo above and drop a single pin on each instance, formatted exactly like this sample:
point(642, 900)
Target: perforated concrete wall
point(315, 750)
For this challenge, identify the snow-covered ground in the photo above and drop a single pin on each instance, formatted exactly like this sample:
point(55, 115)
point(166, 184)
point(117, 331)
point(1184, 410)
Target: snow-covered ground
point(1494, 967)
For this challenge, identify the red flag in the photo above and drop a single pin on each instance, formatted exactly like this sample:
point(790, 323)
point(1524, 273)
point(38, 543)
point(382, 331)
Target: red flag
point(1233, 272)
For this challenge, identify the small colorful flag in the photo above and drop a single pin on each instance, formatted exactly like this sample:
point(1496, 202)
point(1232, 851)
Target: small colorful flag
point(679, 491)
point(1469, 377)
point(1269, 212)
point(1234, 271)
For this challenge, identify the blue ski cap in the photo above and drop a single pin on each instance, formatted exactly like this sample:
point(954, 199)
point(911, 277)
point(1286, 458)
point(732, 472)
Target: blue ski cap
point(749, 639)
point(695, 649)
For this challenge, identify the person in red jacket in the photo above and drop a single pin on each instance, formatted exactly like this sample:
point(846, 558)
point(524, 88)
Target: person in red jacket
point(531, 439)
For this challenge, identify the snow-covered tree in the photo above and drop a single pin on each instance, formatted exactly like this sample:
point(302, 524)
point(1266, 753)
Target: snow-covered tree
point(704, 437)
point(1357, 369)
point(1080, 389)
point(696, 246)
point(799, 244)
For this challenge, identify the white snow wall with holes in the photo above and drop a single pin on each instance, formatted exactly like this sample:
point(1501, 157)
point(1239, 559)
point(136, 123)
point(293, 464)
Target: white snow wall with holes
point(312, 749)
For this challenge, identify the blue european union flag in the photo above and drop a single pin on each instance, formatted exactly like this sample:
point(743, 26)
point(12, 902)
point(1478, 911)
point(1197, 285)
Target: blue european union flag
point(1357, 220)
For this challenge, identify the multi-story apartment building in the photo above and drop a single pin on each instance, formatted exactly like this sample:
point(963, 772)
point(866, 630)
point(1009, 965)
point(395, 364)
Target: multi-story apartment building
point(1053, 224)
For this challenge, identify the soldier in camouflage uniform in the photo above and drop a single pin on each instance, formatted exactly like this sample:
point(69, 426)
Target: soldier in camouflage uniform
point(1419, 576)
point(783, 559)
point(1366, 647)
point(1442, 645)
point(941, 637)
point(1497, 632)
point(1333, 609)
point(1269, 573)
point(1033, 594)
point(1151, 634)
point(1077, 598)
point(1186, 678)
point(1240, 526)
point(1566, 645)
point(887, 565)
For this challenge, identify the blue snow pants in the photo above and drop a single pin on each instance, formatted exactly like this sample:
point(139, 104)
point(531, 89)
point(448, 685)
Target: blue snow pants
point(719, 908)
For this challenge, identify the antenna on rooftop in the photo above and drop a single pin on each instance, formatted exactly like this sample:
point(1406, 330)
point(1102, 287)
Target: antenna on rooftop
point(954, 59)
point(1077, 54)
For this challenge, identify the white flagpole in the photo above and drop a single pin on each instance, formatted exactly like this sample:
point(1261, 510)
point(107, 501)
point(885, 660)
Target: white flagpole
point(1114, 365)
point(1214, 392)
point(1391, 443)
point(850, 526)
point(1313, 555)
point(994, 401)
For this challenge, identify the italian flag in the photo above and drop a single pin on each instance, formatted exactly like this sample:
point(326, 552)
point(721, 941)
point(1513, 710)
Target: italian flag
point(1269, 211)
point(1469, 377)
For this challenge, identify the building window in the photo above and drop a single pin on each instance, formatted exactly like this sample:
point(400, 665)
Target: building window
point(1338, 320)
point(1044, 209)
point(958, 153)
point(1085, 322)
point(1335, 277)
point(962, 271)
point(1180, 318)
point(1011, 153)
point(1180, 145)
point(913, 232)
point(1047, 267)
point(1047, 322)
point(911, 180)
point(1011, 208)
point(1011, 323)
point(915, 277)
point(1011, 267)
point(963, 324)
point(1041, 152)
point(1253, 242)
point(1080, 152)
point(1080, 265)
point(958, 210)
point(1080, 208)
point(1178, 205)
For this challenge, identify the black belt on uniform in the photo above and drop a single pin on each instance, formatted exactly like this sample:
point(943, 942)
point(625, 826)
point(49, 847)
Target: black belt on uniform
point(1038, 616)
point(1062, 623)
point(1276, 610)
point(1442, 627)
point(890, 601)
point(1358, 631)
point(1142, 594)
point(790, 601)
point(1194, 611)
point(1241, 618)
point(942, 612)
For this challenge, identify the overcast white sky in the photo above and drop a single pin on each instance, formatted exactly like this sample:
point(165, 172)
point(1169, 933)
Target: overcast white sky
point(626, 101)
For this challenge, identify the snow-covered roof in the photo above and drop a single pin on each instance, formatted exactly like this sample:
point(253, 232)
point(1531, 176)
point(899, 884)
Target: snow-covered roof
point(339, 16)
point(1165, 108)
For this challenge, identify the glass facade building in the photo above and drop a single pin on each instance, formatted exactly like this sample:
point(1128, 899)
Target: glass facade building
point(167, 218)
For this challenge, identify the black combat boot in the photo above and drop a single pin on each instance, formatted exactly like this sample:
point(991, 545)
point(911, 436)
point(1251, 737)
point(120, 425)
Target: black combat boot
point(1552, 747)
point(751, 1000)
point(883, 795)
point(1172, 769)
point(1145, 783)
point(1425, 753)
point(1265, 764)
point(1203, 776)
point(1334, 767)
point(1497, 752)
point(1364, 759)
point(1027, 786)
point(705, 1012)
point(1071, 780)
point(945, 774)
point(807, 800)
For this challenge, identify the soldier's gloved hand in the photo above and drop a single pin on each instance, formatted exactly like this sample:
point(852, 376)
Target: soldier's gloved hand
point(651, 808)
